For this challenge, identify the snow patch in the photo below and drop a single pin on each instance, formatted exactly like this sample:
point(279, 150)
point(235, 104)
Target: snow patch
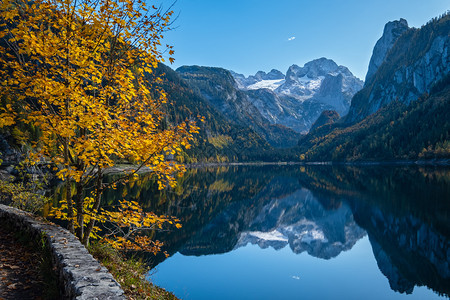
point(313, 235)
point(266, 84)
point(274, 235)
point(311, 83)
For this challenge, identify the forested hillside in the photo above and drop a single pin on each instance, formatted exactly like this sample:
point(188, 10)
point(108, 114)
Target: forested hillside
point(219, 140)
point(218, 87)
point(397, 131)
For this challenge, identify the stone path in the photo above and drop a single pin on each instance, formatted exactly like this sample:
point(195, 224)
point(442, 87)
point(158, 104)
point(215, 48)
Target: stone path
point(81, 277)
point(20, 276)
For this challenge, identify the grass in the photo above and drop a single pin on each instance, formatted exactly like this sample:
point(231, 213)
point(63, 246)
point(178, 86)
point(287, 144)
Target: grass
point(129, 272)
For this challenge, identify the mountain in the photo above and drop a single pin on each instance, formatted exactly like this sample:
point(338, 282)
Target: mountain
point(297, 99)
point(287, 111)
point(392, 31)
point(322, 81)
point(302, 222)
point(219, 88)
point(418, 59)
point(218, 139)
point(403, 111)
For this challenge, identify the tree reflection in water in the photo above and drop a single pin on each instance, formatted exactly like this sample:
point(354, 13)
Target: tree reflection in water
point(323, 210)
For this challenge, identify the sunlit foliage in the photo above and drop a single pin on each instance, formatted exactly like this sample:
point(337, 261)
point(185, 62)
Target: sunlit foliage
point(75, 70)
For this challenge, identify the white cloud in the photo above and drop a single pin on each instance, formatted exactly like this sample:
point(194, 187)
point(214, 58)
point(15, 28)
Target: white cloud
point(291, 38)
point(296, 277)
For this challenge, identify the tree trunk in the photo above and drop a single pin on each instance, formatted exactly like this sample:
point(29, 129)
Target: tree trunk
point(79, 201)
point(69, 205)
point(68, 189)
point(98, 197)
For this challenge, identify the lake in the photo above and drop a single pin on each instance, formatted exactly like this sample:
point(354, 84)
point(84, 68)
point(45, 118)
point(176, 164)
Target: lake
point(303, 232)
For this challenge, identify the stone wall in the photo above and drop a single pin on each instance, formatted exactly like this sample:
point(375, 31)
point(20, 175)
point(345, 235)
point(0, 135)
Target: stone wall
point(80, 275)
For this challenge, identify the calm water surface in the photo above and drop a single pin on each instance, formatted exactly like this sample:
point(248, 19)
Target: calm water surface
point(294, 232)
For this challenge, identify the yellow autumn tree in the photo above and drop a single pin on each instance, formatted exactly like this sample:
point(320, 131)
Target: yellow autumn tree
point(77, 69)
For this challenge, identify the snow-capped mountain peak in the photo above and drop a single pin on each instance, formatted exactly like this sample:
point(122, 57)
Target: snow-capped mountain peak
point(297, 99)
point(313, 69)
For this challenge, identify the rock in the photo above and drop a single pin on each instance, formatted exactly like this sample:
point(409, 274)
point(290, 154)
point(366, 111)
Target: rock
point(392, 30)
point(6, 176)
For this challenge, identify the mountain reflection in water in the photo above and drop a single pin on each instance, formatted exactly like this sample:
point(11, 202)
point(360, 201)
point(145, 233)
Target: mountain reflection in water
point(321, 210)
point(302, 222)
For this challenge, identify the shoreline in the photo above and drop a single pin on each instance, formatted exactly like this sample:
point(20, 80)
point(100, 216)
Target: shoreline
point(119, 169)
point(430, 162)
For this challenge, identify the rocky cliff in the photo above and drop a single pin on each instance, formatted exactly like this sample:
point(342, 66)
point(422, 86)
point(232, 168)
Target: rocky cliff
point(392, 31)
point(418, 59)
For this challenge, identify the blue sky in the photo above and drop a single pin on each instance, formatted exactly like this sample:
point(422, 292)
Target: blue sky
point(251, 35)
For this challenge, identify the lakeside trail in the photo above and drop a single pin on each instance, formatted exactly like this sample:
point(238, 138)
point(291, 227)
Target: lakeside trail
point(20, 274)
